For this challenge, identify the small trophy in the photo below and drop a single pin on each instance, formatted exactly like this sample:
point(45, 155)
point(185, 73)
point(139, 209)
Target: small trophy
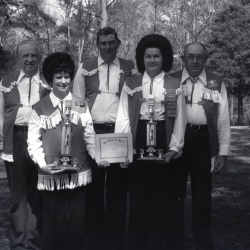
point(151, 136)
point(66, 161)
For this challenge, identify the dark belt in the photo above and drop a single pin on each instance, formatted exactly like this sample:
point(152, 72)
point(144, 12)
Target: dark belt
point(20, 128)
point(194, 127)
point(106, 126)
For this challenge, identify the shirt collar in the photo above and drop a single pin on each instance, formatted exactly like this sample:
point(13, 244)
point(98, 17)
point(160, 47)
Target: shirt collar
point(158, 78)
point(101, 61)
point(202, 76)
point(35, 77)
point(55, 100)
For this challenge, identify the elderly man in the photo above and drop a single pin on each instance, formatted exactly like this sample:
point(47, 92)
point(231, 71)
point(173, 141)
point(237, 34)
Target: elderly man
point(100, 81)
point(206, 146)
point(18, 92)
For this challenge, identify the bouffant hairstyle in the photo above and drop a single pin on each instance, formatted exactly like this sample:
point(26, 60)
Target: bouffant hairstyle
point(58, 62)
point(105, 32)
point(154, 41)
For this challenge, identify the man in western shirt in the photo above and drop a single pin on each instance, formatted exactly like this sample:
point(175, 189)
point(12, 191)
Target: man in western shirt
point(206, 145)
point(100, 81)
point(18, 92)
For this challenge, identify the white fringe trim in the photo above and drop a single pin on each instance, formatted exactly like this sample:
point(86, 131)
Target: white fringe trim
point(89, 73)
point(7, 90)
point(50, 122)
point(6, 157)
point(130, 91)
point(49, 182)
point(44, 85)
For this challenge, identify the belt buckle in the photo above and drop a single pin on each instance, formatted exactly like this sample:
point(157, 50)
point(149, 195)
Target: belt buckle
point(108, 125)
point(194, 127)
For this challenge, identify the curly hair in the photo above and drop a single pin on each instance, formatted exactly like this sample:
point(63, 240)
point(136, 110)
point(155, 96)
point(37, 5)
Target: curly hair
point(154, 41)
point(58, 62)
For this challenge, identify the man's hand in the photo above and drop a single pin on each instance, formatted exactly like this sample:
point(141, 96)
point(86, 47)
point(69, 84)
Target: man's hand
point(220, 164)
point(125, 164)
point(169, 156)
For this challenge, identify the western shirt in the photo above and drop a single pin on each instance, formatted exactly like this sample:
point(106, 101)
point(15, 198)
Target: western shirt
point(122, 120)
point(106, 104)
point(196, 113)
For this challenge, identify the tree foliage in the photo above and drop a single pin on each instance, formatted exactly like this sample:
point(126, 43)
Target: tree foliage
point(230, 52)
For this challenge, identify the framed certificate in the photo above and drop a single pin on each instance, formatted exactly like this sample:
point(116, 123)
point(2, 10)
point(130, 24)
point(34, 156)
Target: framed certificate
point(113, 148)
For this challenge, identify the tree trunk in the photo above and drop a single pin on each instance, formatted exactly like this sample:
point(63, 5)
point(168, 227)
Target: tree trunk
point(195, 23)
point(104, 21)
point(231, 109)
point(240, 109)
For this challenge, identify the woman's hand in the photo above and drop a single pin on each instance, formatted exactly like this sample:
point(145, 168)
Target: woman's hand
point(169, 156)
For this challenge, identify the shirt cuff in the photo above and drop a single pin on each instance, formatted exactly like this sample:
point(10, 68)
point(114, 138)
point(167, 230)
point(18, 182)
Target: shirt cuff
point(177, 150)
point(224, 149)
point(41, 162)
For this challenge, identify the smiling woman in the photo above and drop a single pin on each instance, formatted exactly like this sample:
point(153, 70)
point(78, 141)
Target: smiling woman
point(63, 190)
point(146, 97)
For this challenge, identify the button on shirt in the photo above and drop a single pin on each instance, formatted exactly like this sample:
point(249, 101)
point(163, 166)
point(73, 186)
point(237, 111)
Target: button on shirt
point(196, 113)
point(106, 103)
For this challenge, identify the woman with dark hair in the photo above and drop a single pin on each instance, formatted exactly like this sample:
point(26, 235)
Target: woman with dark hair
point(63, 190)
point(153, 90)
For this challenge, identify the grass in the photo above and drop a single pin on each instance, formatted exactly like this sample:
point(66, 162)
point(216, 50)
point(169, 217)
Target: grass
point(230, 207)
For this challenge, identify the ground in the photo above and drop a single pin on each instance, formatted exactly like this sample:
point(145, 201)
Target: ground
point(230, 207)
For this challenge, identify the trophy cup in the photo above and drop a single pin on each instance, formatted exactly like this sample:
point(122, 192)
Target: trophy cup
point(151, 136)
point(66, 162)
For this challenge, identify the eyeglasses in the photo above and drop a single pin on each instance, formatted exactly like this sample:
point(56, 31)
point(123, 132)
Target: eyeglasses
point(192, 57)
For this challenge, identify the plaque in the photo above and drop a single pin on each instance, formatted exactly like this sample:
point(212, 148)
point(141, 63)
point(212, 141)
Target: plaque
point(113, 148)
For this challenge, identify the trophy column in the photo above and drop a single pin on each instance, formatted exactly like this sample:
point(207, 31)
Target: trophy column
point(151, 135)
point(65, 161)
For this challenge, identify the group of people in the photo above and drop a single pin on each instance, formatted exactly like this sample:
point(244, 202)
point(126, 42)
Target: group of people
point(112, 206)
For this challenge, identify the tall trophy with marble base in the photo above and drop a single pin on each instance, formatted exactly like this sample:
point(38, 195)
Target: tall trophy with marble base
point(65, 161)
point(151, 153)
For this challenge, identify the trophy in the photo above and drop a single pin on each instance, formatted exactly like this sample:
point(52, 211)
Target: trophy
point(151, 136)
point(66, 162)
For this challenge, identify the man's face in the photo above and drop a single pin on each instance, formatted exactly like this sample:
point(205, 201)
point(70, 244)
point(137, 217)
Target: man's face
point(108, 46)
point(29, 58)
point(195, 59)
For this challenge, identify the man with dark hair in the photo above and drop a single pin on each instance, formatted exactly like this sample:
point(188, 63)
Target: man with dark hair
point(100, 81)
point(18, 92)
point(207, 141)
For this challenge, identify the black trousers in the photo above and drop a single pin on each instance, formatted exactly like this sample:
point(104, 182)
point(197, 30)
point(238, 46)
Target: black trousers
point(146, 178)
point(106, 206)
point(64, 219)
point(26, 202)
point(195, 161)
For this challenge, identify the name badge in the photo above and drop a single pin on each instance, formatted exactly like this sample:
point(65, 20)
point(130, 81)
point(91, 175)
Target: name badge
point(171, 102)
point(80, 103)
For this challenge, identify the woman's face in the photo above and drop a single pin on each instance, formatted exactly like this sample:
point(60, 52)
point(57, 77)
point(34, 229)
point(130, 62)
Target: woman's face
point(153, 61)
point(60, 84)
